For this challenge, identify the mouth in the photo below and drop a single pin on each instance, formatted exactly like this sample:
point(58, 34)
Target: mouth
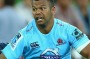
point(39, 19)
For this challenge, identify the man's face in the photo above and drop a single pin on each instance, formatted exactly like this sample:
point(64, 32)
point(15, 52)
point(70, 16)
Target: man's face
point(42, 11)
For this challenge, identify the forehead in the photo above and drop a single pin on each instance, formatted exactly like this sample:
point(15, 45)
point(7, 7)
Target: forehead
point(37, 3)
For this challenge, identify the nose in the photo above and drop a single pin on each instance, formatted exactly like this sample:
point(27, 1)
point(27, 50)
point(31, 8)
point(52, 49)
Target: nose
point(38, 11)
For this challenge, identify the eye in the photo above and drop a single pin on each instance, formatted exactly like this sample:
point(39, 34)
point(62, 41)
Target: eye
point(34, 9)
point(43, 8)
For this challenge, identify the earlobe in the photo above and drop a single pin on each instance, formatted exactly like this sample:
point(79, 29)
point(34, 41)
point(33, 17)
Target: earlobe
point(54, 10)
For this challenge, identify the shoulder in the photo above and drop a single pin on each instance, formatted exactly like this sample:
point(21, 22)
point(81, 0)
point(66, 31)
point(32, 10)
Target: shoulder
point(61, 23)
point(28, 29)
point(24, 34)
point(64, 25)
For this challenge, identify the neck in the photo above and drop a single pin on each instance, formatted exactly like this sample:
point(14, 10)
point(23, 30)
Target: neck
point(45, 29)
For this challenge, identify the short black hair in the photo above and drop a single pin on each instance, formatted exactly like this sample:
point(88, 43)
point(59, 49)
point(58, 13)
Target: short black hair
point(52, 2)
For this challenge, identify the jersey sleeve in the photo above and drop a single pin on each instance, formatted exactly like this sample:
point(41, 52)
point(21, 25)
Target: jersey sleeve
point(76, 38)
point(15, 48)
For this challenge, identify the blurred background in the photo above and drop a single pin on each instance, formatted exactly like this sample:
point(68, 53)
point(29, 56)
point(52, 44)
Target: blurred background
point(16, 14)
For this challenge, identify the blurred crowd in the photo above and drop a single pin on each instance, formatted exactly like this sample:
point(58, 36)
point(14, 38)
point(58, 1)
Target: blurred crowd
point(16, 14)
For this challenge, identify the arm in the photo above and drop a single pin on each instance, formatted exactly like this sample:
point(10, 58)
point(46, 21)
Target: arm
point(86, 51)
point(79, 41)
point(14, 49)
point(2, 56)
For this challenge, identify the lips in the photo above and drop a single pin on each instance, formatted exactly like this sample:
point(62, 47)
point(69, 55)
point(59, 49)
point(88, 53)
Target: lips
point(39, 18)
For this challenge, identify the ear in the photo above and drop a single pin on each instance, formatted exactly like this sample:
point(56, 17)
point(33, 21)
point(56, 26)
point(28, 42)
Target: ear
point(53, 10)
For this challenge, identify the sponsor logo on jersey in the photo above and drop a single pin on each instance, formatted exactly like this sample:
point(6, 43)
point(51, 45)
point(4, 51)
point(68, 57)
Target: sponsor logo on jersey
point(77, 34)
point(59, 24)
point(15, 40)
point(50, 54)
point(34, 45)
point(60, 42)
point(29, 28)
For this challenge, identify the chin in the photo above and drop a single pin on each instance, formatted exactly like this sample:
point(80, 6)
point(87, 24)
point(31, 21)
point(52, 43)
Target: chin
point(42, 25)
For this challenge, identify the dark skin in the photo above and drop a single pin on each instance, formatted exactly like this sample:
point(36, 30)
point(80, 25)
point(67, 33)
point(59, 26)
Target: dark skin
point(86, 51)
point(42, 10)
point(45, 23)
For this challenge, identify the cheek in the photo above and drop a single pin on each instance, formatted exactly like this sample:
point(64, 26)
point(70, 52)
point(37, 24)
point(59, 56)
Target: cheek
point(33, 14)
point(47, 15)
point(47, 12)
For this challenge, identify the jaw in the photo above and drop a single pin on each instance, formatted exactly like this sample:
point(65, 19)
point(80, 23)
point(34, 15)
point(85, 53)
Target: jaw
point(41, 24)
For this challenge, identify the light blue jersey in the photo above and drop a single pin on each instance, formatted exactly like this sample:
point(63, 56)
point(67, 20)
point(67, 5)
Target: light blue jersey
point(32, 44)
